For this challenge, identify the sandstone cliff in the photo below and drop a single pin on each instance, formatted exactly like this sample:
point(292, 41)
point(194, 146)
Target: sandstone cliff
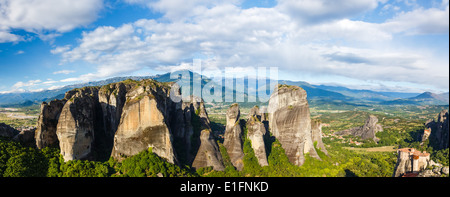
point(290, 123)
point(439, 137)
point(316, 135)
point(367, 131)
point(45, 134)
point(208, 154)
point(76, 123)
point(125, 118)
point(233, 137)
point(256, 132)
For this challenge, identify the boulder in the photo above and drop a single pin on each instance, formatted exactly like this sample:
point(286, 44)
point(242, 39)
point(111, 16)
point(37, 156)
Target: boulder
point(444, 170)
point(233, 137)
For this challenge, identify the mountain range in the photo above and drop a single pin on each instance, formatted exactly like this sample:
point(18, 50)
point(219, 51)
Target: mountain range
point(324, 93)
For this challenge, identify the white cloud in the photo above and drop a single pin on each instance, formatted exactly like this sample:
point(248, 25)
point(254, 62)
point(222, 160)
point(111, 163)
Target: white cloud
point(43, 16)
point(21, 84)
point(226, 35)
point(66, 72)
point(314, 11)
point(420, 21)
point(61, 49)
point(181, 10)
point(8, 37)
point(20, 52)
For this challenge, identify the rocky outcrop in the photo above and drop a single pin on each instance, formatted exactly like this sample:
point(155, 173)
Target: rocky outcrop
point(45, 134)
point(367, 131)
point(144, 123)
point(316, 135)
point(125, 118)
point(439, 129)
point(435, 172)
point(112, 98)
point(410, 160)
point(76, 123)
point(6, 131)
point(256, 132)
point(290, 123)
point(208, 153)
point(26, 137)
point(233, 137)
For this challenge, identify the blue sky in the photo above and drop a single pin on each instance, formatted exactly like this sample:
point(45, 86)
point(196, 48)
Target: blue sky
point(386, 45)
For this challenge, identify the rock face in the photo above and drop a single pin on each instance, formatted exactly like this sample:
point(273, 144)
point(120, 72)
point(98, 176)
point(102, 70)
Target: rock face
point(290, 123)
point(26, 137)
point(256, 132)
point(125, 118)
point(233, 137)
point(194, 136)
point(410, 160)
point(112, 98)
point(143, 126)
point(45, 134)
point(76, 124)
point(316, 134)
point(435, 172)
point(439, 137)
point(208, 153)
point(367, 131)
point(7, 131)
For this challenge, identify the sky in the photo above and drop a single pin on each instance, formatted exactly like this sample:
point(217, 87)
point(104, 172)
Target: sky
point(381, 45)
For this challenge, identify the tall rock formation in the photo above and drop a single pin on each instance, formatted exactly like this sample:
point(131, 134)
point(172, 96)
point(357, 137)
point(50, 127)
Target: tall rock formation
point(410, 160)
point(208, 153)
point(439, 137)
point(112, 98)
point(316, 135)
point(76, 123)
point(144, 123)
point(122, 119)
point(290, 122)
point(367, 131)
point(256, 132)
point(233, 137)
point(45, 134)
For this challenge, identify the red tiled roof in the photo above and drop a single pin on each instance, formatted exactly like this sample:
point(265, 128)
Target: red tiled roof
point(411, 174)
point(414, 152)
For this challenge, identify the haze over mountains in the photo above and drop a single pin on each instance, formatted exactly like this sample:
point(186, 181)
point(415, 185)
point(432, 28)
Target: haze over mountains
point(315, 92)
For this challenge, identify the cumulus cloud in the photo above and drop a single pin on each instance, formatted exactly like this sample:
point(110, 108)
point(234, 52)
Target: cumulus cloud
point(45, 17)
point(66, 72)
point(224, 34)
point(315, 11)
point(420, 21)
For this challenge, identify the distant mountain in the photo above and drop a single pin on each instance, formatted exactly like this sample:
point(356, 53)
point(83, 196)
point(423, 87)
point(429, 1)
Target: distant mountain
point(29, 98)
point(318, 93)
point(368, 95)
point(426, 98)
